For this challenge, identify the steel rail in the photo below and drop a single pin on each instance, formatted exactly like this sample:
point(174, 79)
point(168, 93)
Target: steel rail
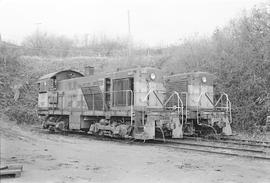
point(246, 140)
point(213, 146)
point(244, 143)
point(256, 154)
point(219, 152)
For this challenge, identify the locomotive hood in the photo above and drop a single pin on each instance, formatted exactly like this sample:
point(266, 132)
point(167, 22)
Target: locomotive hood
point(205, 77)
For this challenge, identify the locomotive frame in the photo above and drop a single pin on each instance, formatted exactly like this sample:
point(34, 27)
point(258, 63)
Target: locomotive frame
point(132, 103)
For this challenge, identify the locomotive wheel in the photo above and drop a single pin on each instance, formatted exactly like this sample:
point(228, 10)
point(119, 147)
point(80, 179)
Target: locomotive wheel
point(60, 126)
point(44, 125)
point(207, 131)
point(217, 128)
point(211, 133)
point(101, 133)
point(51, 129)
point(96, 132)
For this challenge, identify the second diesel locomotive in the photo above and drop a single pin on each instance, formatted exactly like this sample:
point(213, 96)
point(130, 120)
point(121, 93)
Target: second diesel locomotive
point(134, 103)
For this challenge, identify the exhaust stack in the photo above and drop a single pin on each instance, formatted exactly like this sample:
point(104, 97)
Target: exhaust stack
point(89, 71)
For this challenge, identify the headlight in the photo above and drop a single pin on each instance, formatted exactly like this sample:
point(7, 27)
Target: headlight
point(153, 76)
point(204, 79)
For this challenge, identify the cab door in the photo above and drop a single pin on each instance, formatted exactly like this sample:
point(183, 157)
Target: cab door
point(122, 92)
point(107, 93)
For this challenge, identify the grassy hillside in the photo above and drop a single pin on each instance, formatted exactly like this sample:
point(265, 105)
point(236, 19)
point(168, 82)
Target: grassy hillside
point(41, 65)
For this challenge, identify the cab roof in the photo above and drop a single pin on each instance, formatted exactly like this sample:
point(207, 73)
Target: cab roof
point(50, 75)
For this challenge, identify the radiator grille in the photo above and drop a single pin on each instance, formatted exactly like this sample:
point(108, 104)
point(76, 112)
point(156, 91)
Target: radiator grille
point(93, 97)
point(179, 86)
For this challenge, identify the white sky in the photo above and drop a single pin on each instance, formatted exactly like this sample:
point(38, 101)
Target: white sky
point(153, 22)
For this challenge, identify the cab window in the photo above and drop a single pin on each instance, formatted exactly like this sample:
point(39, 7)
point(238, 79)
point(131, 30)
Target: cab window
point(122, 91)
point(42, 86)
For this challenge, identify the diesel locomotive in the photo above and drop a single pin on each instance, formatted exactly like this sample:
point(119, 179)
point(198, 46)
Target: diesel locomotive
point(139, 103)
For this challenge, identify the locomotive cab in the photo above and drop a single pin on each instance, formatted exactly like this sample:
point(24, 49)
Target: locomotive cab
point(48, 86)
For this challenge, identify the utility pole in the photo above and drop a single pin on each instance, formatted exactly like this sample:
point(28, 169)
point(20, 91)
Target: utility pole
point(37, 37)
point(129, 23)
point(129, 40)
point(86, 40)
point(37, 26)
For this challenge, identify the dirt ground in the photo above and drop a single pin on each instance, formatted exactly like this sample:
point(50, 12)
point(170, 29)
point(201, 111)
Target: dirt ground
point(57, 158)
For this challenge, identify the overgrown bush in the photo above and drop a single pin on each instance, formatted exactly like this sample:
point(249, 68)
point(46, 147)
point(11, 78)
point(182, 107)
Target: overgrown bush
point(17, 91)
point(22, 114)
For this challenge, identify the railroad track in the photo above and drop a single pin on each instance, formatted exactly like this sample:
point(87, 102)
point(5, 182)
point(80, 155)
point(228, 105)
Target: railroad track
point(260, 152)
point(240, 142)
point(223, 147)
point(246, 140)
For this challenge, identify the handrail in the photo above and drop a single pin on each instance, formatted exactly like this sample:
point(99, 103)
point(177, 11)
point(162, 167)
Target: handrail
point(178, 102)
point(227, 107)
point(111, 93)
point(179, 107)
point(166, 102)
point(185, 93)
point(131, 101)
point(198, 122)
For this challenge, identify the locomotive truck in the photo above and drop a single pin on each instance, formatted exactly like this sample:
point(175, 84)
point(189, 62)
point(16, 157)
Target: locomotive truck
point(139, 103)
